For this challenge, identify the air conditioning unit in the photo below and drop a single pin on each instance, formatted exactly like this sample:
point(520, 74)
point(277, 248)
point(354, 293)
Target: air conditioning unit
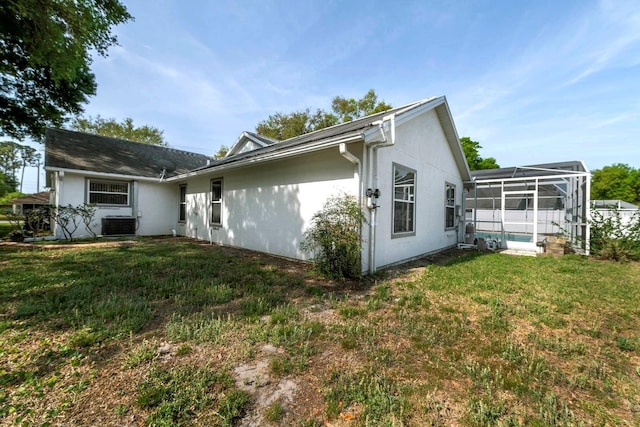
point(118, 226)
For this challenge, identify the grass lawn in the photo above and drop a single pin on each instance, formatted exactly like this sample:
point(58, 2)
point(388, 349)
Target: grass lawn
point(179, 333)
point(5, 229)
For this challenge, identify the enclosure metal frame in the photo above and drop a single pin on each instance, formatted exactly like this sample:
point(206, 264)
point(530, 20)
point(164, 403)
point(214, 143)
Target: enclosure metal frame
point(576, 201)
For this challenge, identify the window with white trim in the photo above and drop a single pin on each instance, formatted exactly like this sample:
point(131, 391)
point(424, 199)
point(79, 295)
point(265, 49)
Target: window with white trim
point(182, 203)
point(115, 193)
point(404, 201)
point(216, 201)
point(450, 206)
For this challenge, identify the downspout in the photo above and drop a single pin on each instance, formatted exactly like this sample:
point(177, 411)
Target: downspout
point(134, 205)
point(353, 159)
point(373, 181)
point(59, 199)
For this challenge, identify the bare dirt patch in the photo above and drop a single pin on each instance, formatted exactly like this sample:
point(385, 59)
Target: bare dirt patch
point(255, 377)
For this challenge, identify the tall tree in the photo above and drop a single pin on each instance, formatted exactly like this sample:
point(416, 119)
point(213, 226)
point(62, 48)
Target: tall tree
point(616, 182)
point(15, 157)
point(121, 130)
point(7, 184)
point(281, 126)
point(351, 109)
point(10, 159)
point(45, 53)
point(221, 153)
point(29, 157)
point(472, 153)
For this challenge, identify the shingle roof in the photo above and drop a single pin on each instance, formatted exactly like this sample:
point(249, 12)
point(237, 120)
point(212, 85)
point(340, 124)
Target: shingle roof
point(81, 151)
point(344, 130)
point(41, 198)
point(262, 138)
point(74, 150)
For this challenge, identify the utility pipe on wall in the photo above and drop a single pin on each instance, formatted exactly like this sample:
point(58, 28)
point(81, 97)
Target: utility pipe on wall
point(373, 148)
point(353, 159)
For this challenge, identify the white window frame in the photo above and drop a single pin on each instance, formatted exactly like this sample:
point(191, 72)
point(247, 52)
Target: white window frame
point(449, 206)
point(182, 203)
point(90, 192)
point(408, 199)
point(216, 202)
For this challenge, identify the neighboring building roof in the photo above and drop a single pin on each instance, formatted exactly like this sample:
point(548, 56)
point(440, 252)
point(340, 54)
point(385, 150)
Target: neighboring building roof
point(66, 149)
point(614, 204)
point(531, 171)
point(41, 198)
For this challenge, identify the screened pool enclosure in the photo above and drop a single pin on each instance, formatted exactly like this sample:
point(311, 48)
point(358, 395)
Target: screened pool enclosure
point(522, 207)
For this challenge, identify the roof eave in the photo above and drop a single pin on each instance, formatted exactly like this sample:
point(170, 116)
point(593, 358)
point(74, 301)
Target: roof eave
point(244, 136)
point(267, 157)
point(441, 107)
point(94, 174)
point(451, 133)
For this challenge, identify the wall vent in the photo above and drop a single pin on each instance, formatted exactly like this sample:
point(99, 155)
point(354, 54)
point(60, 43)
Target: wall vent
point(118, 226)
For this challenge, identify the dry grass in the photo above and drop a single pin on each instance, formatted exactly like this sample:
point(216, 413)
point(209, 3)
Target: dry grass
point(154, 333)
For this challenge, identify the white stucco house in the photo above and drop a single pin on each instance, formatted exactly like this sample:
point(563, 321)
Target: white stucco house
point(405, 165)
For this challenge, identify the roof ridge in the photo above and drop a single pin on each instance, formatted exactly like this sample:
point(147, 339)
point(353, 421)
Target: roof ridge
point(261, 136)
point(368, 116)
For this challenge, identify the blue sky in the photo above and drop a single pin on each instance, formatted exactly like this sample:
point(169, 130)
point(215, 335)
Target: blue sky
point(533, 82)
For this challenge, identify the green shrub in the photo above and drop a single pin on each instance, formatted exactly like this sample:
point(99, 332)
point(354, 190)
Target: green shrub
point(334, 237)
point(613, 238)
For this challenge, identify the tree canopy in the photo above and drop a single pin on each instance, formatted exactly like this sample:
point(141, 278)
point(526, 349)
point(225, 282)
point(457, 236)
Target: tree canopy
point(45, 54)
point(7, 184)
point(281, 126)
point(472, 153)
point(351, 109)
point(221, 153)
point(15, 157)
point(121, 130)
point(616, 182)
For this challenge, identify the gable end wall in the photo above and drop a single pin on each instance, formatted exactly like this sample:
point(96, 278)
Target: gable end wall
point(420, 145)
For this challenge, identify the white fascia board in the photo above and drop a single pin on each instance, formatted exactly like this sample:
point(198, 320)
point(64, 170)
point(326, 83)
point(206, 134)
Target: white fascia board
point(440, 105)
point(244, 136)
point(256, 140)
point(95, 174)
point(452, 136)
point(374, 134)
point(421, 107)
point(278, 155)
point(236, 144)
